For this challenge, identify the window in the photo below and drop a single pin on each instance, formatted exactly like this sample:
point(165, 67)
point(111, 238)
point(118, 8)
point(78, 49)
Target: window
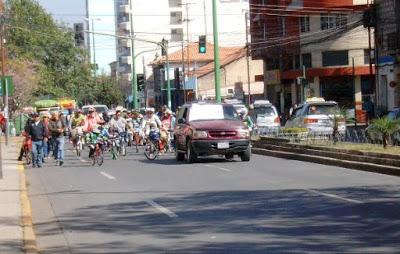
point(264, 35)
point(366, 56)
point(332, 21)
point(296, 62)
point(305, 24)
point(391, 41)
point(282, 26)
point(335, 58)
point(307, 60)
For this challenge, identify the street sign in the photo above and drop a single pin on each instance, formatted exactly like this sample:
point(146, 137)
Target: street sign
point(10, 85)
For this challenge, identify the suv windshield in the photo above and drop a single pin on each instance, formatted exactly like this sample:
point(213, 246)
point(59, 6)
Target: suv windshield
point(212, 112)
point(323, 109)
point(264, 110)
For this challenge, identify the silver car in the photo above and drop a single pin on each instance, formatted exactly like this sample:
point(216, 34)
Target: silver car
point(319, 117)
point(266, 117)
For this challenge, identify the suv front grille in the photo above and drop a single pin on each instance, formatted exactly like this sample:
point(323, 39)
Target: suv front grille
point(222, 134)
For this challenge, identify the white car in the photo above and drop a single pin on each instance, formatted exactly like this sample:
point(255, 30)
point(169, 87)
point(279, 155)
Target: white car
point(318, 116)
point(266, 116)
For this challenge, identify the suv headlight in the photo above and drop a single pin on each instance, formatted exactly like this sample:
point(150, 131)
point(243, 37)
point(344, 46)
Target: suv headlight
point(244, 133)
point(200, 134)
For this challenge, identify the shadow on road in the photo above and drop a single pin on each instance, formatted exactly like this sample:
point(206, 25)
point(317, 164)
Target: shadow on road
point(267, 221)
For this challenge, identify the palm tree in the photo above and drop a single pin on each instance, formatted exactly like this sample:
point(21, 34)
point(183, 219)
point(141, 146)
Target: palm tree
point(385, 127)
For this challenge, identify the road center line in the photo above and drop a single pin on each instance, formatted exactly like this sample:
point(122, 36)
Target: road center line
point(108, 176)
point(220, 168)
point(334, 196)
point(162, 209)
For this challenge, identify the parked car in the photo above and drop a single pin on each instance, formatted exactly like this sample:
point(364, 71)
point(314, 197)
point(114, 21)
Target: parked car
point(205, 129)
point(266, 116)
point(318, 116)
point(100, 109)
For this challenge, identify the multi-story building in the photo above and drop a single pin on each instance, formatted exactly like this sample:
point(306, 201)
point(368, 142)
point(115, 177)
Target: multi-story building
point(176, 21)
point(324, 41)
point(388, 51)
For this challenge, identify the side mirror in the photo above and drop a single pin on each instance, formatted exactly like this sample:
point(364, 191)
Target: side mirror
point(181, 121)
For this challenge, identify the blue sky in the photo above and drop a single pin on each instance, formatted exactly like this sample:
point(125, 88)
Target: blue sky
point(74, 11)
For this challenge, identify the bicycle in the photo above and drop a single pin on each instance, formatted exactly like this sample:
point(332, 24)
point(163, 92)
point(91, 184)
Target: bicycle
point(28, 150)
point(96, 153)
point(152, 146)
point(79, 145)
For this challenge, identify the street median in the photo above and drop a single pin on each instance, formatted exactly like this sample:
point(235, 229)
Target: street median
point(384, 163)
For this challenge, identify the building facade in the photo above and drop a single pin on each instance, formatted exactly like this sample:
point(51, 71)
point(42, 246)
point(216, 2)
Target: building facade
point(322, 41)
point(388, 51)
point(178, 21)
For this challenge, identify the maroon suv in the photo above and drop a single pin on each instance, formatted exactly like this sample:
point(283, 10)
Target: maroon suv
point(210, 129)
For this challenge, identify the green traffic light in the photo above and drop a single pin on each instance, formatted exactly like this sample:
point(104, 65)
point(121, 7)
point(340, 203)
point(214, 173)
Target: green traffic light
point(202, 49)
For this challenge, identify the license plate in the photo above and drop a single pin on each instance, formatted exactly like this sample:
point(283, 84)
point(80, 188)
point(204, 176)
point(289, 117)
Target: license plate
point(223, 145)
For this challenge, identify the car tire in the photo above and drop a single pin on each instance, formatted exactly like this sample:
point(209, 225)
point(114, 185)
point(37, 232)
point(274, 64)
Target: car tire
point(229, 156)
point(245, 156)
point(191, 156)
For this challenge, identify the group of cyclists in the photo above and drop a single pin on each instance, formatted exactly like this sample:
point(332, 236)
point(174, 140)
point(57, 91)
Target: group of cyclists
point(91, 129)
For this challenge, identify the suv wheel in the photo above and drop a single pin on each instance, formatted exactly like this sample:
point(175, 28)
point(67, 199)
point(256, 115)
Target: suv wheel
point(191, 157)
point(245, 156)
point(179, 156)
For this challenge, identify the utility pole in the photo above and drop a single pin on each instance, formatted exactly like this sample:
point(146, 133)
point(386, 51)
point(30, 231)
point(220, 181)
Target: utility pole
point(94, 51)
point(371, 75)
point(216, 54)
point(188, 41)
point(205, 17)
point(3, 77)
point(3, 72)
point(145, 82)
point(134, 78)
point(184, 73)
point(248, 57)
point(165, 45)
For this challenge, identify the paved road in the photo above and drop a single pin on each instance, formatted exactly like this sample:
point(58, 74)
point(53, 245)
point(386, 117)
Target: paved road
point(269, 205)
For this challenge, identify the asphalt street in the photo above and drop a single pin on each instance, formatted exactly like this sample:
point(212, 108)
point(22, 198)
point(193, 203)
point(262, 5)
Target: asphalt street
point(268, 205)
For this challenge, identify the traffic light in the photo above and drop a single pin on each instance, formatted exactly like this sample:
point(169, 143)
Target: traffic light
point(79, 34)
point(140, 82)
point(202, 44)
point(164, 46)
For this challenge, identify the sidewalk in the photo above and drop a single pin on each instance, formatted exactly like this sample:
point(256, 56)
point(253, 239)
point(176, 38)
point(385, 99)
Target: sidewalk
point(14, 205)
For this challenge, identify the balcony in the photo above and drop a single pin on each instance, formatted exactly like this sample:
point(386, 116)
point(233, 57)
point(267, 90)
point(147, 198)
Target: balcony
point(124, 9)
point(125, 43)
point(176, 18)
point(125, 60)
point(175, 3)
point(176, 35)
point(125, 26)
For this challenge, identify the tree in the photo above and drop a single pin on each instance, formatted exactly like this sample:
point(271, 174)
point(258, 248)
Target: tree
point(385, 127)
point(106, 91)
point(34, 36)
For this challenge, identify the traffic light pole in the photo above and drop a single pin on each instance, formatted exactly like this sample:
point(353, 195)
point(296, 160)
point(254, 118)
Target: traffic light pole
point(165, 45)
point(217, 64)
point(134, 78)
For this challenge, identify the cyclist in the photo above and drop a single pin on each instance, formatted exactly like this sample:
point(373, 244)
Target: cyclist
point(76, 122)
point(151, 125)
point(91, 121)
point(166, 127)
point(118, 123)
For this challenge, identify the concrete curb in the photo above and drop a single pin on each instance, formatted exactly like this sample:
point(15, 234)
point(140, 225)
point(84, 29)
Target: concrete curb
point(370, 167)
point(29, 237)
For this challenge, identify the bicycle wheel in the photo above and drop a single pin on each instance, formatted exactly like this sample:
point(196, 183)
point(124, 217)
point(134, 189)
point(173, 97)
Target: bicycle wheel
point(28, 157)
point(99, 157)
point(78, 149)
point(123, 148)
point(93, 157)
point(114, 152)
point(151, 151)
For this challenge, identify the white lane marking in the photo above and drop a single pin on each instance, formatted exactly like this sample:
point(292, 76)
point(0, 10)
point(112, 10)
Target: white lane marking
point(334, 196)
point(108, 176)
point(162, 209)
point(220, 168)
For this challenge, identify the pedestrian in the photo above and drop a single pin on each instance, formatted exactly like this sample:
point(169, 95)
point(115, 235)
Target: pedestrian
point(369, 109)
point(56, 128)
point(46, 146)
point(37, 131)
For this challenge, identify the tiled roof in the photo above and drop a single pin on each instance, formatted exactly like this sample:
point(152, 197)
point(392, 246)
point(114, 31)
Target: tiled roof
point(194, 54)
point(226, 58)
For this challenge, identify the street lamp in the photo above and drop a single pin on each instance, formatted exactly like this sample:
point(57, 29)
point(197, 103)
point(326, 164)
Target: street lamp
point(94, 47)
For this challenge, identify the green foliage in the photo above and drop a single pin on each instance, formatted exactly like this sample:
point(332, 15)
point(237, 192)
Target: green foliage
point(62, 68)
point(384, 126)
